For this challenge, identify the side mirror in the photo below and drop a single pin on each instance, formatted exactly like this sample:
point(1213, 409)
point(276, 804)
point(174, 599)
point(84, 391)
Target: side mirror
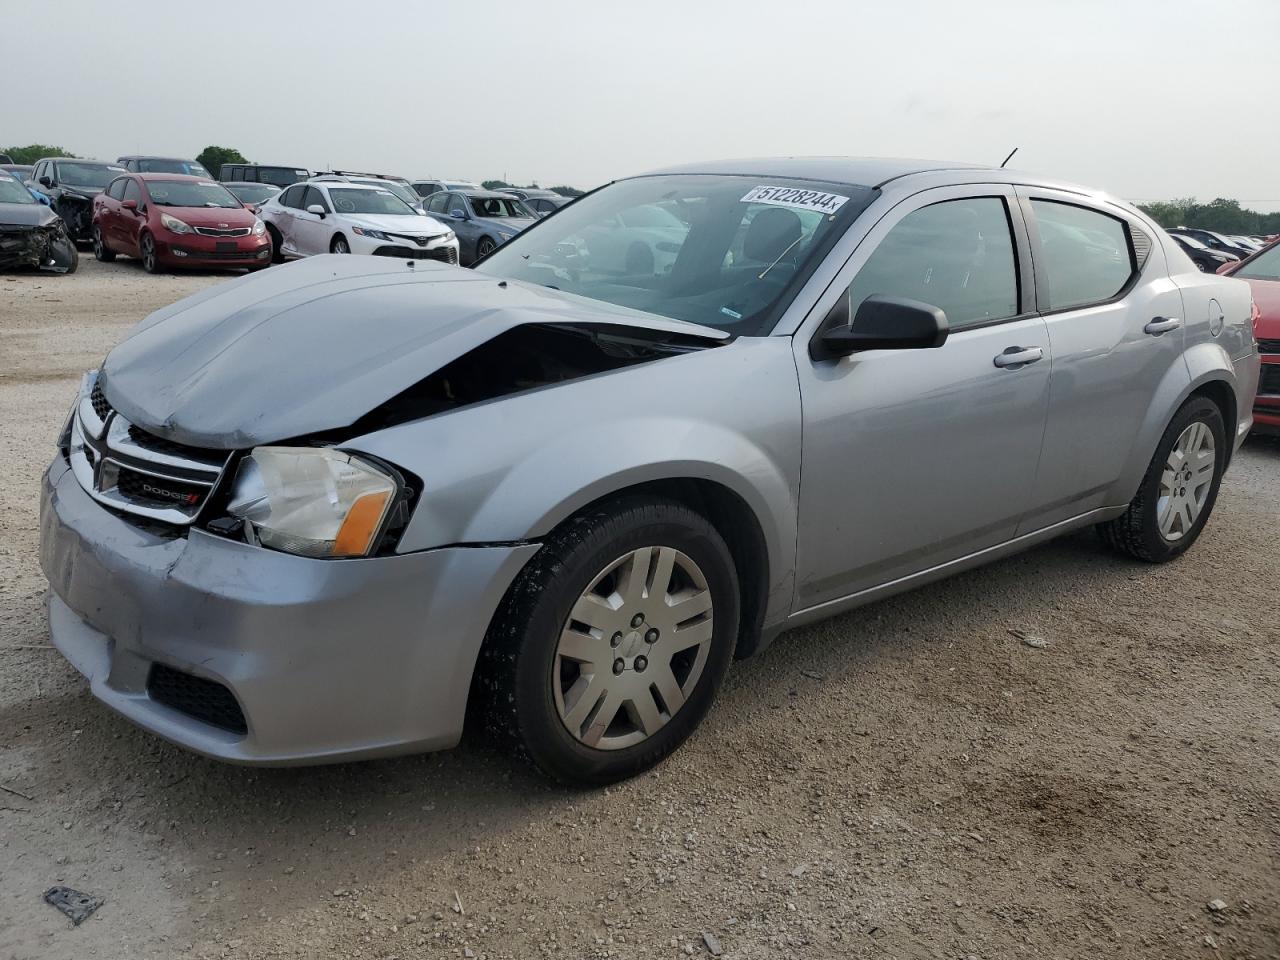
point(46, 181)
point(458, 214)
point(317, 210)
point(1228, 268)
point(881, 323)
point(130, 205)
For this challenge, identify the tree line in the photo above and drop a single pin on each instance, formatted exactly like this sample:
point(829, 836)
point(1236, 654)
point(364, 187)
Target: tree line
point(1221, 216)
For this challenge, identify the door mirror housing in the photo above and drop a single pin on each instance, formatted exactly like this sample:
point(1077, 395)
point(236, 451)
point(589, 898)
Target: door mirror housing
point(458, 214)
point(317, 210)
point(881, 323)
point(46, 181)
point(131, 205)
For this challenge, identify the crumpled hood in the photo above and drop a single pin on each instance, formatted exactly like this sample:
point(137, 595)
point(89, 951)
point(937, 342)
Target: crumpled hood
point(26, 214)
point(314, 345)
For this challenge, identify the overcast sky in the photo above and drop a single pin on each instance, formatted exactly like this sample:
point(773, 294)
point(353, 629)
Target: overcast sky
point(1145, 98)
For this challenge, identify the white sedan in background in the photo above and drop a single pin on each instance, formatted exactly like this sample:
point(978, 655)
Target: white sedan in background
point(341, 217)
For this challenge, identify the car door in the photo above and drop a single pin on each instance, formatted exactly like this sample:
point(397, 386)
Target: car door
point(1115, 324)
point(914, 458)
point(108, 214)
point(311, 232)
point(464, 226)
point(132, 221)
point(283, 218)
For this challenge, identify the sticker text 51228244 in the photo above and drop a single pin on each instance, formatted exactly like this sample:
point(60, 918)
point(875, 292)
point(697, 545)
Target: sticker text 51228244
point(818, 200)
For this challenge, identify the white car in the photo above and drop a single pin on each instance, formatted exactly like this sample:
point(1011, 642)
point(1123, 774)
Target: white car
point(336, 216)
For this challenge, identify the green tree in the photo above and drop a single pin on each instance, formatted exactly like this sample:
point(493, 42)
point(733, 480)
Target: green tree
point(34, 152)
point(212, 158)
point(494, 184)
point(568, 191)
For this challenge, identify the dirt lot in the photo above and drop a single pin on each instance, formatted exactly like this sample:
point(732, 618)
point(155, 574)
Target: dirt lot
point(911, 780)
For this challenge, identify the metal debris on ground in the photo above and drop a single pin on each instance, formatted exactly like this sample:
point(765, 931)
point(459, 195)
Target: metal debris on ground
point(1029, 639)
point(73, 903)
point(812, 675)
point(713, 944)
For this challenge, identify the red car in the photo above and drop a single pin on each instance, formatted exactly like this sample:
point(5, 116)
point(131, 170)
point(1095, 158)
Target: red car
point(1262, 272)
point(169, 220)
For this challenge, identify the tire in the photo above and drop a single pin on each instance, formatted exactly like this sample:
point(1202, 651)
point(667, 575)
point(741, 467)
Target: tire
point(484, 247)
point(339, 244)
point(540, 700)
point(1156, 528)
point(69, 254)
point(639, 260)
point(277, 255)
point(100, 249)
point(147, 248)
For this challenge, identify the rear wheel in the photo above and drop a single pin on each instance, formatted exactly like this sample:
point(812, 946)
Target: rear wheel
point(1178, 490)
point(150, 260)
point(609, 649)
point(100, 249)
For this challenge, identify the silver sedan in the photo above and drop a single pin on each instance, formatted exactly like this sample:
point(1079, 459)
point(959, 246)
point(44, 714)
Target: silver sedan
point(320, 512)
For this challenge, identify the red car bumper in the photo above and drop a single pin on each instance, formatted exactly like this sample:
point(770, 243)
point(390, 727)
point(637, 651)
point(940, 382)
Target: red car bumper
point(1266, 406)
point(196, 250)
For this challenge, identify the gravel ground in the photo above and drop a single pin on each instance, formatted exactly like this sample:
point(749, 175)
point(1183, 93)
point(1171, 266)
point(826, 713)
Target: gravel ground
point(910, 780)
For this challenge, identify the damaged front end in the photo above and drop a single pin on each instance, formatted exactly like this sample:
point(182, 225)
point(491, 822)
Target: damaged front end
point(43, 244)
point(77, 213)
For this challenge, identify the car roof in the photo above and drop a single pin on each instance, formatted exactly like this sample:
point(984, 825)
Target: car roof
point(154, 156)
point(855, 171)
point(483, 194)
point(345, 184)
point(182, 177)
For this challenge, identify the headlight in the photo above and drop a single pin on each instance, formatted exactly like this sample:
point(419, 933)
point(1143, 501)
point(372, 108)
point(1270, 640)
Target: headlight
point(365, 232)
point(174, 225)
point(259, 228)
point(313, 501)
point(447, 237)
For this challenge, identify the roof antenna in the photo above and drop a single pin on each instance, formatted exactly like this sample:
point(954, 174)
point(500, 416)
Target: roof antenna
point(1009, 157)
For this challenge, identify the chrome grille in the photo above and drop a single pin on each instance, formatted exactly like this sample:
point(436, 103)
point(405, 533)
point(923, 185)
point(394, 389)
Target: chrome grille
point(128, 469)
point(215, 232)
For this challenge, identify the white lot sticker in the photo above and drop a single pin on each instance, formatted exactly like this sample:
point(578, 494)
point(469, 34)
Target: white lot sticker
point(795, 197)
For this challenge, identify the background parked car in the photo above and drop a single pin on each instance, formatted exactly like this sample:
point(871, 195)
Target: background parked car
point(426, 188)
point(336, 216)
point(31, 234)
point(71, 186)
point(143, 164)
point(397, 185)
point(20, 170)
point(541, 202)
point(262, 173)
point(640, 241)
point(1203, 257)
point(168, 220)
point(252, 195)
point(483, 219)
point(1214, 241)
point(1262, 272)
point(5, 158)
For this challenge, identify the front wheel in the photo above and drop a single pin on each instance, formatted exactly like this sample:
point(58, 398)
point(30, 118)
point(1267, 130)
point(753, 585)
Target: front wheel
point(339, 245)
point(484, 247)
point(609, 649)
point(150, 260)
point(1178, 490)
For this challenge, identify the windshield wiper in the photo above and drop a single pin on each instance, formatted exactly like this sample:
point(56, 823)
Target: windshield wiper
point(780, 256)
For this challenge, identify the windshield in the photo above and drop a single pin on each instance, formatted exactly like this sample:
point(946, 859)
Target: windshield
point(252, 192)
point(380, 201)
point(186, 167)
point(87, 174)
point(189, 193)
point(726, 252)
point(11, 191)
point(499, 207)
point(1265, 266)
point(399, 189)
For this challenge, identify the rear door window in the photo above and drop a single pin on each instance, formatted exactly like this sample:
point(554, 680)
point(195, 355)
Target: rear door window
point(957, 255)
point(116, 190)
point(292, 197)
point(1086, 254)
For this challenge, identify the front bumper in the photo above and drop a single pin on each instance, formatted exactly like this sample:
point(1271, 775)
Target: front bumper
point(196, 250)
point(326, 659)
point(445, 252)
point(1266, 405)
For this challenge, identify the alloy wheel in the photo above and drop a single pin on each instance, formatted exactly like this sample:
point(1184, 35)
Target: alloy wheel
point(1186, 481)
point(633, 648)
point(148, 254)
point(340, 246)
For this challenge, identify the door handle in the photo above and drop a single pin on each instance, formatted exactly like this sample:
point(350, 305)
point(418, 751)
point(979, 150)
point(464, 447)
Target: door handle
point(1018, 356)
point(1159, 325)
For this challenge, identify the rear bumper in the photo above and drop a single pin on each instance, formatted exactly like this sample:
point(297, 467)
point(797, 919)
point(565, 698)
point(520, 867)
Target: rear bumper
point(1266, 405)
point(325, 660)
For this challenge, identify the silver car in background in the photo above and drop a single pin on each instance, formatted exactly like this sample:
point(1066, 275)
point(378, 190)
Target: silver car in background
point(319, 512)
